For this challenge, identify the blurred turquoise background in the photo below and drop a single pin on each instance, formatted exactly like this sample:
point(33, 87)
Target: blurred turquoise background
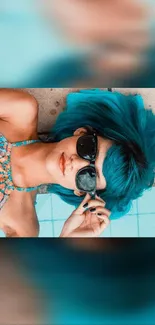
point(35, 47)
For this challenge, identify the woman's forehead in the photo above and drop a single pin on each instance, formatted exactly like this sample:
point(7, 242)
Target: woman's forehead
point(104, 144)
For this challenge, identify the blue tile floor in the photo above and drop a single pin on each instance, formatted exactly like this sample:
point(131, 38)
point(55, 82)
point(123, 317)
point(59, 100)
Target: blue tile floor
point(139, 222)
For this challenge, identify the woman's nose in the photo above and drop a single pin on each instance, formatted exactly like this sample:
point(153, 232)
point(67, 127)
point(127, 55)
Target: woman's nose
point(79, 162)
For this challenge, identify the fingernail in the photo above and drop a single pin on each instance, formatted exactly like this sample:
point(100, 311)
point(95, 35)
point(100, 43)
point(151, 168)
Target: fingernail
point(92, 209)
point(85, 205)
point(99, 214)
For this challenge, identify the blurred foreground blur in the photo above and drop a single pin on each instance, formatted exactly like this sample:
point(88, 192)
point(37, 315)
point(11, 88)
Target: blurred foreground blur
point(57, 282)
point(86, 43)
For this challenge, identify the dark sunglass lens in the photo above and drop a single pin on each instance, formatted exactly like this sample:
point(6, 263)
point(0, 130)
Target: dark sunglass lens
point(86, 179)
point(87, 147)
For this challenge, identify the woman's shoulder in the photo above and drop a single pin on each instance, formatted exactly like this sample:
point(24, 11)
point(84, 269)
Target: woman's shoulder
point(12, 134)
point(18, 115)
point(18, 217)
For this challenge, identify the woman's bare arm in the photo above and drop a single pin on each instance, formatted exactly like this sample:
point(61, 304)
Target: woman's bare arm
point(17, 106)
point(18, 216)
point(25, 230)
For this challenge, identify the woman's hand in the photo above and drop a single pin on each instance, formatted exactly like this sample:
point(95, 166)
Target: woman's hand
point(87, 223)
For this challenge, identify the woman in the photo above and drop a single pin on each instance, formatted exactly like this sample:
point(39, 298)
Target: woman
point(102, 145)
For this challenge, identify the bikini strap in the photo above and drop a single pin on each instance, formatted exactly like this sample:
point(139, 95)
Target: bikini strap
point(28, 189)
point(23, 143)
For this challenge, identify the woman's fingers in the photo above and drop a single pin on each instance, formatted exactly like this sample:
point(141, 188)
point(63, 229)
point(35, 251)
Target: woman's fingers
point(81, 207)
point(91, 204)
point(88, 203)
point(104, 224)
point(99, 227)
point(101, 210)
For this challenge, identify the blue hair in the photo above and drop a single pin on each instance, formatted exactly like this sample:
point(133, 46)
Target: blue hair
point(129, 166)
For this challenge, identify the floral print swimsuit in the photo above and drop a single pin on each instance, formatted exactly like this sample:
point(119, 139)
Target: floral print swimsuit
point(6, 182)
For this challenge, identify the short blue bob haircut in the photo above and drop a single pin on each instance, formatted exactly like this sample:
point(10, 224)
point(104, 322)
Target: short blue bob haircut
point(129, 166)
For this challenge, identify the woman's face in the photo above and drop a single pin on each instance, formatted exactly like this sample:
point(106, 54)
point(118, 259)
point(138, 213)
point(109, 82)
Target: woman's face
point(64, 161)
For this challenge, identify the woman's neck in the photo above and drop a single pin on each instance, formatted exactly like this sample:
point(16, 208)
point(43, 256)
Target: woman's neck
point(29, 165)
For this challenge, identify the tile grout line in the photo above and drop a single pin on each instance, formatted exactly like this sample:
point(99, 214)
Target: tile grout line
point(140, 214)
point(146, 213)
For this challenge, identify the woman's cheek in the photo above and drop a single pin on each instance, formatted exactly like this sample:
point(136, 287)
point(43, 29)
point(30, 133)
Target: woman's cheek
point(69, 182)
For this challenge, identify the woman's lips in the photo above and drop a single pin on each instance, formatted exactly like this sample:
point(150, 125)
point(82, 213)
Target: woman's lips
point(62, 163)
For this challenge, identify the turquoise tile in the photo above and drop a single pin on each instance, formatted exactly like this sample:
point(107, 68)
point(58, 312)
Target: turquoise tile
point(2, 234)
point(146, 204)
point(125, 227)
point(133, 209)
point(61, 210)
point(147, 225)
point(58, 225)
point(106, 232)
point(44, 207)
point(46, 229)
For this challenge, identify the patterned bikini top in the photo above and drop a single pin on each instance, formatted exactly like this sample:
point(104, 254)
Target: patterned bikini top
point(6, 182)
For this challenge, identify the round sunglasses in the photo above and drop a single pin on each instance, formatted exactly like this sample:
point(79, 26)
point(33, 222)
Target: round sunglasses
point(87, 149)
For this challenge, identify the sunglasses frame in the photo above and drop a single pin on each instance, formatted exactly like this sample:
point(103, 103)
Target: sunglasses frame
point(90, 131)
